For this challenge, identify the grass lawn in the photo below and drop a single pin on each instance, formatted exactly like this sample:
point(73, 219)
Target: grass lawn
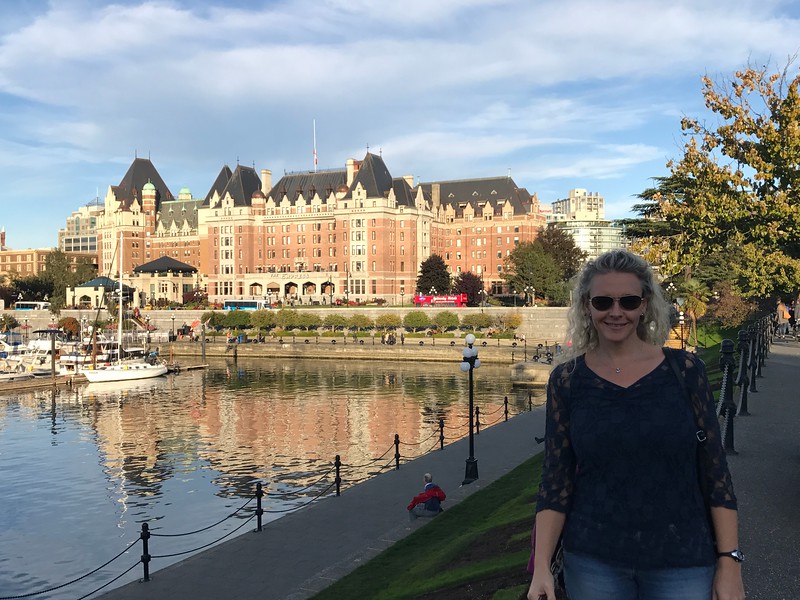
point(476, 549)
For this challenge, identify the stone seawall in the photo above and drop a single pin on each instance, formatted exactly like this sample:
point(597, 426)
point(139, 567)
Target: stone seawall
point(324, 349)
point(539, 324)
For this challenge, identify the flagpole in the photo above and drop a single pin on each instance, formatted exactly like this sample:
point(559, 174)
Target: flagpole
point(315, 144)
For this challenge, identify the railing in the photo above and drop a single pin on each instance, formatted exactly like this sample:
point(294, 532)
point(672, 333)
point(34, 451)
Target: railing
point(397, 454)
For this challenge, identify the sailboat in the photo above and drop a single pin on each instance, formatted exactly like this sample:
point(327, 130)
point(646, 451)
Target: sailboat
point(124, 370)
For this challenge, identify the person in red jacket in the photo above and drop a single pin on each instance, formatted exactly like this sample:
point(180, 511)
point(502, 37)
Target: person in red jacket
point(429, 502)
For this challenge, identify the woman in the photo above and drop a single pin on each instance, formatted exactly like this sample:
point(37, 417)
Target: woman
point(620, 474)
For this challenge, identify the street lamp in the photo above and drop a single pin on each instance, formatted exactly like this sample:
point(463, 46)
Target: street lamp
point(172, 333)
point(515, 298)
point(26, 331)
point(433, 291)
point(330, 293)
point(680, 301)
point(469, 363)
point(147, 325)
point(482, 297)
point(402, 295)
point(528, 290)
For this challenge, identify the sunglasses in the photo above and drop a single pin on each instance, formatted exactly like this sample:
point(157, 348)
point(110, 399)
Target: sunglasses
point(625, 302)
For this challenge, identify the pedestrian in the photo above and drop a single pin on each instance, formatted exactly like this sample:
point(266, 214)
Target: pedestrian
point(429, 502)
point(782, 319)
point(621, 479)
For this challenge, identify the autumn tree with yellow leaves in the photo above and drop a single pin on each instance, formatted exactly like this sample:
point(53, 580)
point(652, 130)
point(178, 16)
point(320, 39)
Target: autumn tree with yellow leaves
point(736, 190)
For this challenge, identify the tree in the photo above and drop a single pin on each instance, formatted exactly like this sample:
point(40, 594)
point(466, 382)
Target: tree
point(8, 322)
point(416, 320)
point(470, 284)
point(70, 325)
point(335, 321)
point(477, 321)
point(529, 266)
point(286, 318)
point(433, 275)
point(446, 320)
point(213, 319)
point(388, 321)
point(236, 319)
point(359, 321)
point(262, 319)
point(737, 185)
point(308, 320)
point(560, 245)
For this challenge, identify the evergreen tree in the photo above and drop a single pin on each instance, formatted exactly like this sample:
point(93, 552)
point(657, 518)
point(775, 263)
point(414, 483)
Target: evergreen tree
point(433, 275)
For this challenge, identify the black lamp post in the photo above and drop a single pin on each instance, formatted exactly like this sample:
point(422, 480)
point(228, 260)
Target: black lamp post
point(515, 298)
point(330, 293)
point(147, 325)
point(680, 302)
point(469, 363)
point(402, 295)
point(528, 290)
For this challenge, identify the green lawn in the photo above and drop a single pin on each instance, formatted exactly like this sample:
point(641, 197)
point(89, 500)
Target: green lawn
point(484, 537)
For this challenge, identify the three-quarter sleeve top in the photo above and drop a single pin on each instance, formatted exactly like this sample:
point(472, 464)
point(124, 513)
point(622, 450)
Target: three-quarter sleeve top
point(622, 464)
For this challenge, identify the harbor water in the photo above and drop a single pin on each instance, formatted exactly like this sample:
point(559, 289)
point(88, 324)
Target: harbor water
point(84, 468)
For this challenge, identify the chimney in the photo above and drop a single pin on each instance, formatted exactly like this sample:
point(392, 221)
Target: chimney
point(266, 181)
point(435, 195)
point(351, 171)
point(3, 238)
point(409, 180)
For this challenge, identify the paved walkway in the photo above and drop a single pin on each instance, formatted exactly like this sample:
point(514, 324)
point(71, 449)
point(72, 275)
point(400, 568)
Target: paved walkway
point(302, 553)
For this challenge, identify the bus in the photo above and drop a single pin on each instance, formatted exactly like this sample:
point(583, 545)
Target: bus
point(29, 305)
point(449, 300)
point(245, 305)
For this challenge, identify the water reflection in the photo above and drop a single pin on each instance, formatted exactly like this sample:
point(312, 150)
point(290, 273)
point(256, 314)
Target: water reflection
point(184, 451)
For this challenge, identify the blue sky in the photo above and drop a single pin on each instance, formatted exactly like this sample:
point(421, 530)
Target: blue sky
point(559, 93)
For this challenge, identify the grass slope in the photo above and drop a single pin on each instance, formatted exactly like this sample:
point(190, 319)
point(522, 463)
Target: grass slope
point(482, 541)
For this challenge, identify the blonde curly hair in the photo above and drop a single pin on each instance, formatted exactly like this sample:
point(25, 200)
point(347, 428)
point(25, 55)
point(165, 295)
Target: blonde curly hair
point(654, 325)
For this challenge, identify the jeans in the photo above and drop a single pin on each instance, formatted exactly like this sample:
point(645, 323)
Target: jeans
point(587, 578)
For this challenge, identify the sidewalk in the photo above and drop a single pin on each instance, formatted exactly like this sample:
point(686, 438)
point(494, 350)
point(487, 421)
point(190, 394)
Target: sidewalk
point(766, 478)
point(302, 553)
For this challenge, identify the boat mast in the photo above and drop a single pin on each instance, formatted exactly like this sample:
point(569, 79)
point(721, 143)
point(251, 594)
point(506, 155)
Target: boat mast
point(119, 304)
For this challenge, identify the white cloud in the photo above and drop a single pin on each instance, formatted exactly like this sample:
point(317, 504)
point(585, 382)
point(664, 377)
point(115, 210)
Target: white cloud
point(554, 91)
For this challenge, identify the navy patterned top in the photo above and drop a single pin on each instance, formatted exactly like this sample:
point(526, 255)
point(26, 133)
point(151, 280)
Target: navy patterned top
point(622, 464)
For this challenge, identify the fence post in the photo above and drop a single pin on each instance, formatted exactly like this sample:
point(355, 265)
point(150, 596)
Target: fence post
point(762, 344)
point(744, 348)
point(530, 401)
point(752, 360)
point(338, 464)
point(727, 405)
point(396, 451)
point(259, 510)
point(477, 420)
point(441, 433)
point(505, 404)
point(145, 535)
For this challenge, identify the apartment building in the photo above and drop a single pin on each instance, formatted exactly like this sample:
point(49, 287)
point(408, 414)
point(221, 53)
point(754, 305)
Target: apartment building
point(582, 214)
point(80, 232)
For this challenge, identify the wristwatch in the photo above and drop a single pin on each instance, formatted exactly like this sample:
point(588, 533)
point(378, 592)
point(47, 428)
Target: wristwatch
point(736, 555)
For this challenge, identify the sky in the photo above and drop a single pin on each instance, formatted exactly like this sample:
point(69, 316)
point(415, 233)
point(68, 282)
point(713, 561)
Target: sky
point(559, 94)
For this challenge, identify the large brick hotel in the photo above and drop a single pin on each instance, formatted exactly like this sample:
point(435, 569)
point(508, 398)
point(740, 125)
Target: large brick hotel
point(311, 236)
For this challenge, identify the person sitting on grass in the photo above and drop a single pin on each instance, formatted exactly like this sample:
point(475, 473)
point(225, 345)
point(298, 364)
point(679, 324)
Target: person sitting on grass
point(429, 502)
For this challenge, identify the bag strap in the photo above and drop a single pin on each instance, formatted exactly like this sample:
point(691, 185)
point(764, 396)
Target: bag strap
point(673, 363)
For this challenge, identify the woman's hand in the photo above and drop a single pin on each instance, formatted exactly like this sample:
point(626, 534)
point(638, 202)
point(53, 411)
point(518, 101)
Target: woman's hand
point(542, 585)
point(728, 580)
